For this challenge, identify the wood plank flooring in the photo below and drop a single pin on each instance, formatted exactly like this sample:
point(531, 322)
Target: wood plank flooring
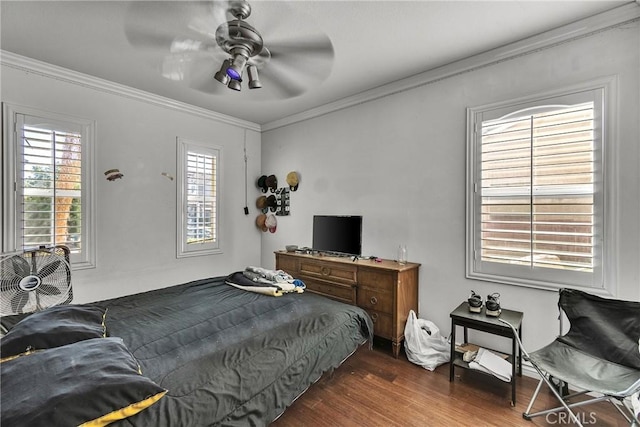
point(372, 389)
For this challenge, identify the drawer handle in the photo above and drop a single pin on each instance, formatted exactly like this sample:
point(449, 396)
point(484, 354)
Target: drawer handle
point(325, 271)
point(374, 317)
point(374, 300)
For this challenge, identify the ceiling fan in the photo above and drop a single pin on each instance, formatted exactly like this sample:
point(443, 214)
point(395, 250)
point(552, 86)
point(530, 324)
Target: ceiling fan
point(210, 46)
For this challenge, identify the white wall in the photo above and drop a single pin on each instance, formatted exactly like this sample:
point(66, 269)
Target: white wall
point(400, 162)
point(136, 216)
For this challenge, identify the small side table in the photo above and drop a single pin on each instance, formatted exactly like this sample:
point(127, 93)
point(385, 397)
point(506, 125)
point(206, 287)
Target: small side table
point(461, 316)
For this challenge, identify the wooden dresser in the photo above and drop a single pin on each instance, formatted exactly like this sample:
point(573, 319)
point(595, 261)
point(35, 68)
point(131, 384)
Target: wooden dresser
point(386, 289)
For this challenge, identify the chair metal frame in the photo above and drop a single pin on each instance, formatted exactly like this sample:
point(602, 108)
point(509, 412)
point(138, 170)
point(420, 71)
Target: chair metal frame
point(618, 398)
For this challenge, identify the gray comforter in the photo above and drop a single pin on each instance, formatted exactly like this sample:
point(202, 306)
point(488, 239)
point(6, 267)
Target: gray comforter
point(230, 357)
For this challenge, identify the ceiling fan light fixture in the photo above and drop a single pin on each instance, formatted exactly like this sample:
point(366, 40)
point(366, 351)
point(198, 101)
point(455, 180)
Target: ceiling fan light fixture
point(237, 65)
point(254, 80)
point(221, 75)
point(235, 84)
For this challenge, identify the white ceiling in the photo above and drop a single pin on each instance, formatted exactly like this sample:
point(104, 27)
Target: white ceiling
point(374, 42)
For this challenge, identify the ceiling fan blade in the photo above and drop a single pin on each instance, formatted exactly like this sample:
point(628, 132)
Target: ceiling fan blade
point(311, 67)
point(317, 45)
point(209, 16)
point(182, 66)
point(174, 67)
point(167, 42)
point(173, 36)
point(300, 63)
point(174, 27)
point(295, 74)
point(282, 22)
point(279, 85)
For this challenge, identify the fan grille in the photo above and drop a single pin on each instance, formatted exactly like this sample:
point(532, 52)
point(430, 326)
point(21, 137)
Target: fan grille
point(34, 280)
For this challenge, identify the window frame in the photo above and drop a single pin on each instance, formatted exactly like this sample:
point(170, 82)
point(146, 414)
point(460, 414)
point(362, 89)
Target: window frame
point(183, 248)
point(602, 280)
point(11, 237)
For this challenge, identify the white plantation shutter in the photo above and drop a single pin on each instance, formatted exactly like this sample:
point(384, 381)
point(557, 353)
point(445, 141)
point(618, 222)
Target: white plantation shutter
point(47, 159)
point(51, 176)
point(537, 192)
point(201, 198)
point(198, 230)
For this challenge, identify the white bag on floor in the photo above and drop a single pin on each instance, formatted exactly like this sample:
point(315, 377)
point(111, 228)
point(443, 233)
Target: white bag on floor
point(423, 343)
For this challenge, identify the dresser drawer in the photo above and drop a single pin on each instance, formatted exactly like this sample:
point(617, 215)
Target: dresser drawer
point(343, 293)
point(382, 324)
point(377, 279)
point(384, 288)
point(342, 273)
point(375, 299)
point(287, 264)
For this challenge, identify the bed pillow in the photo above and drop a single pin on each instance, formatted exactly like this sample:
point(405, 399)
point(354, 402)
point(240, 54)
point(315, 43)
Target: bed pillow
point(92, 382)
point(53, 327)
point(9, 321)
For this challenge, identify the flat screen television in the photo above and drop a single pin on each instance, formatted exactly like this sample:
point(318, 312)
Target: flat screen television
point(340, 234)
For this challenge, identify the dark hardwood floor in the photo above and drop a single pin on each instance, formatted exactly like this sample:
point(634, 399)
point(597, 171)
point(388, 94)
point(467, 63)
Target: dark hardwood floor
point(371, 388)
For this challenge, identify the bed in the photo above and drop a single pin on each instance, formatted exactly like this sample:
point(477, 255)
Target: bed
point(208, 354)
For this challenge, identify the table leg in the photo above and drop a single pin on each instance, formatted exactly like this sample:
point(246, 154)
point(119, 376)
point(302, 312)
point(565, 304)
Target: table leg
point(396, 348)
point(520, 352)
point(514, 349)
point(453, 349)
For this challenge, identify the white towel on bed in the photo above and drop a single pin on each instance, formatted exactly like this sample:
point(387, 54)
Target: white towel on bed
point(265, 290)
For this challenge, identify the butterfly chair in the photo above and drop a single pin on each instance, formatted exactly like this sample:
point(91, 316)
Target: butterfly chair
point(599, 355)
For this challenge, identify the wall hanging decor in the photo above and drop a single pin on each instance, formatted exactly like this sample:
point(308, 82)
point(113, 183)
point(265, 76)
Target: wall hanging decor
point(262, 183)
point(283, 203)
point(260, 222)
point(278, 203)
point(271, 222)
point(293, 179)
point(272, 183)
point(272, 202)
point(113, 174)
point(261, 204)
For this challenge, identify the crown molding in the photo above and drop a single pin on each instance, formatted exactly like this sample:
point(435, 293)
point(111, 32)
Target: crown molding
point(580, 29)
point(29, 65)
point(584, 28)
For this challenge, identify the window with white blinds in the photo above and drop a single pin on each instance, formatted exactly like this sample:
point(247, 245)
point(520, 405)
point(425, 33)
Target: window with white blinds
point(198, 207)
point(47, 160)
point(51, 169)
point(536, 193)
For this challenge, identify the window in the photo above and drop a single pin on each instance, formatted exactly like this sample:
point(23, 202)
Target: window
point(536, 199)
point(46, 183)
point(198, 195)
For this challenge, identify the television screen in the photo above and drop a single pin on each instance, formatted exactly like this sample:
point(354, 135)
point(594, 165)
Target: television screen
point(342, 234)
